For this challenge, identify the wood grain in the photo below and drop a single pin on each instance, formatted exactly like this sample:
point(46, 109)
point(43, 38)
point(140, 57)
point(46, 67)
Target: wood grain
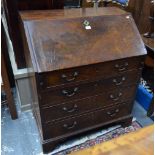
point(88, 73)
point(52, 48)
point(140, 10)
point(96, 69)
point(85, 121)
point(139, 143)
point(56, 96)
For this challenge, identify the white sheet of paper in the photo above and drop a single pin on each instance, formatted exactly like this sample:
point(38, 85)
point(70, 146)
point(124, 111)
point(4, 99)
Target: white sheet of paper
point(88, 27)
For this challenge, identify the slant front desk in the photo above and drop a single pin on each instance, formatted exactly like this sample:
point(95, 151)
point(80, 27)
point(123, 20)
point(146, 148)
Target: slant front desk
point(87, 64)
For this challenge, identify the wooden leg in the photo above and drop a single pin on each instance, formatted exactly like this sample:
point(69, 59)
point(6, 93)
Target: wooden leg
point(11, 105)
point(127, 122)
point(151, 108)
point(49, 146)
point(7, 89)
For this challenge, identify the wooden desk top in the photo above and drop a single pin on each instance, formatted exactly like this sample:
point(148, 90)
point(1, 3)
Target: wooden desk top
point(140, 142)
point(61, 40)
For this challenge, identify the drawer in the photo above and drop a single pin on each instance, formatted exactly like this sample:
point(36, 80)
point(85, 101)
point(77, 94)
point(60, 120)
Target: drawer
point(87, 73)
point(79, 107)
point(78, 91)
point(82, 122)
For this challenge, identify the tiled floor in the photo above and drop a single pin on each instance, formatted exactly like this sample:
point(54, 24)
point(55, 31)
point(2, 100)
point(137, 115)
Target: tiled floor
point(20, 137)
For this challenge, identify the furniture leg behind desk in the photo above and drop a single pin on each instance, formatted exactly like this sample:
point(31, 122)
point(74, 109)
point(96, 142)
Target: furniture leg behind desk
point(7, 89)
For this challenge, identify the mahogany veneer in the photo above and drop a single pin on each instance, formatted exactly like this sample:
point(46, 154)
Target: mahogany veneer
point(83, 78)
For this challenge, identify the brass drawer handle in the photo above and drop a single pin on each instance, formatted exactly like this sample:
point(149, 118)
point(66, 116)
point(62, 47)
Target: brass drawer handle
point(71, 126)
point(117, 83)
point(70, 110)
point(112, 114)
point(122, 67)
point(70, 78)
point(70, 94)
point(115, 98)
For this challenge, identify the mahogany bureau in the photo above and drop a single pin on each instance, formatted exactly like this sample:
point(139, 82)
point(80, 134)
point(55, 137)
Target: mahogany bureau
point(85, 66)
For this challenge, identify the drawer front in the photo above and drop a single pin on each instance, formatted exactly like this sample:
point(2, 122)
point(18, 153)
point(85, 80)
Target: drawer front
point(91, 72)
point(81, 122)
point(78, 107)
point(69, 93)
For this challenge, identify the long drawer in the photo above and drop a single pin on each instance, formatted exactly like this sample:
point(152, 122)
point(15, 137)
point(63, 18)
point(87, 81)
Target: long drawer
point(81, 106)
point(82, 122)
point(91, 72)
point(79, 91)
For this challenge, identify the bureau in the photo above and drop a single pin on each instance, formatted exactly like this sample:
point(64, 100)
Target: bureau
point(85, 66)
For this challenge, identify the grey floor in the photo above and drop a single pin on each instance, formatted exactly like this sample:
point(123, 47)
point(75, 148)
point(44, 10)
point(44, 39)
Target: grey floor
point(20, 137)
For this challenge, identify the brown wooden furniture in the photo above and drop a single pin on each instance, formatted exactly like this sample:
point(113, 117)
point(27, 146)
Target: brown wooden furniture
point(86, 66)
point(150, 33)
point(140, 142)
point(140, 10)
point(6, 87)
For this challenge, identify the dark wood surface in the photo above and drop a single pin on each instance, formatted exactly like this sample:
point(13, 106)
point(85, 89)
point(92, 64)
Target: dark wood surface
point(140, 10)
point(75, 124)
point(78, 107)
point(56, 49)
point(83, 79)
point(48, 80)
point(86, 90)
point(68, 93)
point(40, 4)
point(51, 144)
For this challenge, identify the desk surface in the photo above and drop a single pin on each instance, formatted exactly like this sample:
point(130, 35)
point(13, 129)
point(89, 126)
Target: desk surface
point(67, 40)
point(139, 143)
